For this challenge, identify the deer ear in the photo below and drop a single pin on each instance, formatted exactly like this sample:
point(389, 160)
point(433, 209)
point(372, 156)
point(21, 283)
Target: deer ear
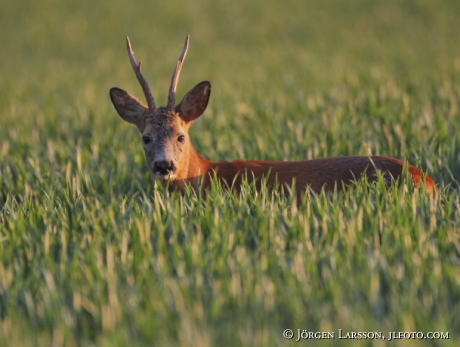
point(127, 106)
point(194, 102)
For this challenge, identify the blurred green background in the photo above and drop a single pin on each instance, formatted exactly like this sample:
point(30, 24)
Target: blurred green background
point(291, 44)
point(277, 54)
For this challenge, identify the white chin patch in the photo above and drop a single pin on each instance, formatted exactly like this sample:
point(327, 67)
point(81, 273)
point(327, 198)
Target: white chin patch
point(161, 177)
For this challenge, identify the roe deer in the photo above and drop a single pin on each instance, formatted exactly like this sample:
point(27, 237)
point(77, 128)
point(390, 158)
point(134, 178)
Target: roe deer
point(171, 156)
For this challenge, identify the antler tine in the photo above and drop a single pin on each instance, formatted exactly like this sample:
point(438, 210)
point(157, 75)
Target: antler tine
point(175, 76)
point(140, 77)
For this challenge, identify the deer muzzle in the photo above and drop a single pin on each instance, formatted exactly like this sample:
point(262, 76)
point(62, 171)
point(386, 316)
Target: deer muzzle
point(164, 168)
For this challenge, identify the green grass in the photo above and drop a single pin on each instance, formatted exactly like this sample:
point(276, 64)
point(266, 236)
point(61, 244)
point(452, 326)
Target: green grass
point(93, 253)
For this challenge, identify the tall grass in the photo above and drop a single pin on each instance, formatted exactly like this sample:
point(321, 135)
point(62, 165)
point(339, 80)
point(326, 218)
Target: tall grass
point(93, 253)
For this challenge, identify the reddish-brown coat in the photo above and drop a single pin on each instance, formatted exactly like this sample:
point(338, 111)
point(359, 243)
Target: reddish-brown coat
point(316, 174)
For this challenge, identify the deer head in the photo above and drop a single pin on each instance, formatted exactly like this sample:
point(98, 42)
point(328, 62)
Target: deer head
point(164, 129)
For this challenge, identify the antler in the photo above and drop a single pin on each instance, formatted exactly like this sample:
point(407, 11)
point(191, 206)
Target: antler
point(175, 76)
point(140, 77)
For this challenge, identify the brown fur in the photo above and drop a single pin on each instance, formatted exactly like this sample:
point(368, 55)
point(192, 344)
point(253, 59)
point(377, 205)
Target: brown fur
point(317, 174)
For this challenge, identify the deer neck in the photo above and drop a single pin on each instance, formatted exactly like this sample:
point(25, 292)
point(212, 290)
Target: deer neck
point(197, 165)
point(199, 171)
point(194, 168)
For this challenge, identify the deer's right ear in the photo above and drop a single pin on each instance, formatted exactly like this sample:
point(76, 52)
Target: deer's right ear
point(194, 102)
point(127, 106)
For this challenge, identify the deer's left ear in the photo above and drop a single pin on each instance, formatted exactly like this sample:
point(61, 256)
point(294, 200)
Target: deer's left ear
point(127, 106)
point(194, 102)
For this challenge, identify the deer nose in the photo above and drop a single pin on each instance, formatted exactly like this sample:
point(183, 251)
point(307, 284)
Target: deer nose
point(163, 167)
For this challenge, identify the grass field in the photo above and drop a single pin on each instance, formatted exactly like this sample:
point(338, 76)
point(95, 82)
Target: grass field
point(93, 253)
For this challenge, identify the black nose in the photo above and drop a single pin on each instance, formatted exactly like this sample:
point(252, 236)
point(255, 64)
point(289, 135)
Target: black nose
point(163, 167)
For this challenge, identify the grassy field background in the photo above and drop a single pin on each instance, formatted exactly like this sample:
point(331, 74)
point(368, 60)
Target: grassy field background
point(94, 254)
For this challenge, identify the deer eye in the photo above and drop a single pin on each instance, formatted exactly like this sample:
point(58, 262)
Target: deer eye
point(181, 138)
point(146, 139)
